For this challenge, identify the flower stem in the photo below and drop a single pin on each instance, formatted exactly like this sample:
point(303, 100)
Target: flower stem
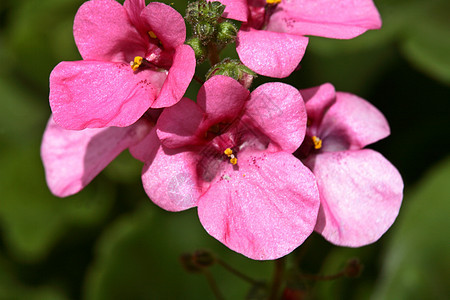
point(213, 54)
point(236, 272)
point(277, 278)
point(212, 283)
point(196, 78)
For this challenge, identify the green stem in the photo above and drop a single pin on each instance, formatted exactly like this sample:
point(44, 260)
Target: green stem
point(236, 272)
point(212, 283)
point(277, 278)
point(213, 54)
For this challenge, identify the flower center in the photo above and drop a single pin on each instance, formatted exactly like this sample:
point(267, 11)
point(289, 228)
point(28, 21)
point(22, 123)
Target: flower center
point(228, 152)
point(317, 142)
point(273, 2)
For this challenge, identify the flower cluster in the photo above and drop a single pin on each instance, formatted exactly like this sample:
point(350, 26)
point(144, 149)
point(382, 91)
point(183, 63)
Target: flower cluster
point(264, 167)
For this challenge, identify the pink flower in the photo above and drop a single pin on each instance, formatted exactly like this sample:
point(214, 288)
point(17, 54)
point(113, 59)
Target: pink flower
point(360, 191)
point(72, 158)
point(230, 154)
point(103, 89)
point(271, 40)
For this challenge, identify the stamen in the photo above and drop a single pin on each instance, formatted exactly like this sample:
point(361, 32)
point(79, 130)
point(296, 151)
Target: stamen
point(273, 2)
point(136, 63)
point(228, 152)
point(317, 142)
point(152, 34)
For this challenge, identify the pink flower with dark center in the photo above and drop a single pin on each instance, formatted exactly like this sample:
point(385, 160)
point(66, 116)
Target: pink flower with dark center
point(360, 191)
point(72, 158)
point(103, 89)
point(271, 40)
point(230, 154)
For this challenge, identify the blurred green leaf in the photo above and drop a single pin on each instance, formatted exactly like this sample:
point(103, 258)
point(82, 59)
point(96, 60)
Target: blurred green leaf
point(417, 263)
point(11, 288)
point(427, 42)
point(138, 258)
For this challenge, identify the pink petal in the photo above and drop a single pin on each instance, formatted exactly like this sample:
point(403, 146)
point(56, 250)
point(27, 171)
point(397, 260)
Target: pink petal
point(318, 100)
point(341, 19)
point(93, 94)
point(134, 9)
point(361, 193)
point(103, 31)
point(146, 149)
point(167, 24)
point(270, 53)
point(263, 209)
point(352, 123)
point(235, 9)
point(222, 98)
point(73, 158)
point(178, 78)
point(179, 125)
point(279, 111)
point(170, 179)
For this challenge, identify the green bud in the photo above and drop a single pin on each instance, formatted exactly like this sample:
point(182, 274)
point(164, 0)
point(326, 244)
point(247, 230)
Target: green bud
point(205, 31)
point(203, 11)
point(199, 49)
point(234, 69)
point(226, 33)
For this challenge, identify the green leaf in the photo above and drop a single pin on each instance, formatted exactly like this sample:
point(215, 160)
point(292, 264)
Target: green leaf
point(427, 42)
point(417, 264)
point(138, 258)
point(11, 288)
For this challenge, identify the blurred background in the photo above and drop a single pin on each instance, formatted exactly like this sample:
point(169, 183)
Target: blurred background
point(111, 242)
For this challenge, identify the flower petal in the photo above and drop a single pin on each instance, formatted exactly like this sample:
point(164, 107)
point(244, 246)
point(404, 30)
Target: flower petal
point(222, 98)
point(167, 24)
point(279, 111)
point(178, 78)
point(103, 31)
point(317, 101)
point(93, 94)
point(263, 209)
point(73, 158)
point(235, 9)
point(361, 193)
point(270, 53)
point(178, 125)
point(170, 179)
point(134, 9)
point(343, 19)
point(352, 123)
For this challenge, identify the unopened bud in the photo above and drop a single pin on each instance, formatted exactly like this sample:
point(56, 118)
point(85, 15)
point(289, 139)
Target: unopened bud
point(199, 49)
point(203, 258)
point(226, 33)
point(353, 268)
point(235, 69)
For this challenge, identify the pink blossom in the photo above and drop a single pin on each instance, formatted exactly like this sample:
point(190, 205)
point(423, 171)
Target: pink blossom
point(271, 40)
point(230, 154)
point(360, 190)
point(72, 158)
point(103, 89)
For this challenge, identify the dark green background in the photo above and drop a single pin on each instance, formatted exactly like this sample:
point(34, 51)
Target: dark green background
point(110, 242)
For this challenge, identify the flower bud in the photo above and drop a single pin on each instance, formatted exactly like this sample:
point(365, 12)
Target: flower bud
point(235, 69)
point(204, 31)
point(199, 49)
point(226, 33)
point(353, 268)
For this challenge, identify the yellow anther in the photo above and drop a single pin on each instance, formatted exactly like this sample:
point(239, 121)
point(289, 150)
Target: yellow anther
point(273, 2)
point(233, 160)
point(136, 62)
point(228, 152)
point(152, 34)
point(317, 142)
